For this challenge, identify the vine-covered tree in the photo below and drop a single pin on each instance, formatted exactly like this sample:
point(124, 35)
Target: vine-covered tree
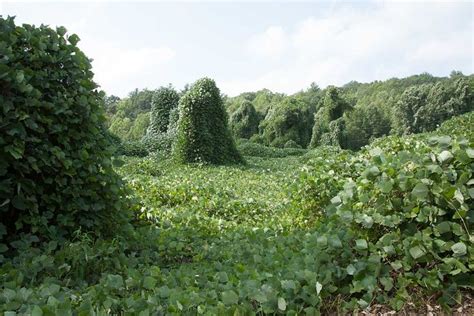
point(56, 174)
point(423, 108)
point(244, 121)
point(203, 134)
point(331, 108)
point(165, 99)
point(288, 120)
point(365, 123)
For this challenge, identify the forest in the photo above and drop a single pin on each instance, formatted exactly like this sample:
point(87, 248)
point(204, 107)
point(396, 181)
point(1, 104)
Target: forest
point(338, 200)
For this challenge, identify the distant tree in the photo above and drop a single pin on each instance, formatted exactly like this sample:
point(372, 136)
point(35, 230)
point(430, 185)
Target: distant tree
point(288, 120)
point(244, 121)
point(365, 123)
point(110, 104)
point(331, 108)
point(203, 134)
point(423, 108)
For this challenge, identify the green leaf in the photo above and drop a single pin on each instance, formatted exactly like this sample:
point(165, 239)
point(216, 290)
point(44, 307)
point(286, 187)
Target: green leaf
point(19, 202)
point(387, 283)
point(416, 252)
point(420, 191)
point(115, 281)
point(20, 76)
point(61, 30)
point(281, 304)
point(386, 186)
point(351, 269)
point(445, 156)
point(361, 244)
point(459, 249)
point(470, 152)
point(230, 297)
point(36, 311)
point(73, 39)
point(443, 227)
point(149, 282)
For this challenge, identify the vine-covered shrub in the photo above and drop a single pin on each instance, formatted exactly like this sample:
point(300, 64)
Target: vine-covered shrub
point(164, 101)
point(202, 133)
point(244, 121)
point(56, 173)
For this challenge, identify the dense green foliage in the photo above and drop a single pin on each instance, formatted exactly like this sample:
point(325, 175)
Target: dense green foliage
point(293, 231)
point(129, 118)
point(329, 124)
point(203, 134)
point(326, 230)
point(244, 121)
point(56, 174)
point(290, 120)
point(423, 108)
point(369, 111)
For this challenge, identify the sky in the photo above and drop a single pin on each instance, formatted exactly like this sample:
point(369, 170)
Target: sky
point(247, 46)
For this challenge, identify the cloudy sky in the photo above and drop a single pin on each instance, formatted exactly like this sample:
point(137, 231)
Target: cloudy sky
point(246, 46)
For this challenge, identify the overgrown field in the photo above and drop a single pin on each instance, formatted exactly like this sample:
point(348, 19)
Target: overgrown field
point(291, 232)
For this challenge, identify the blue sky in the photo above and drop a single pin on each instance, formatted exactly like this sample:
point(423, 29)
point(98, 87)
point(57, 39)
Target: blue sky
point(247, 46)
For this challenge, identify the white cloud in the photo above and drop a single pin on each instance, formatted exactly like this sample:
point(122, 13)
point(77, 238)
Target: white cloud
point(269, 44)
point(365, 43)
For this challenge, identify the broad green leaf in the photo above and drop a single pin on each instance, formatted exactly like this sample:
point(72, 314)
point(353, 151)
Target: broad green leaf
point(149, 282)
point(445, 156)
point(351, 269)
point(420, 191)
point(281, 304)
point(230, 297)
point(459, 249)
point(73, 39)
point(36, 311)
point(416, 252)
point(361, 244)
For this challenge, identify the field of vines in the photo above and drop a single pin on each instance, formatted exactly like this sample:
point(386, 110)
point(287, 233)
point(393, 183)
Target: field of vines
point(292, 231)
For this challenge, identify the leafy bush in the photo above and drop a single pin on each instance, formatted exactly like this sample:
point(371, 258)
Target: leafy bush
point(56, 171)
point(203, 134)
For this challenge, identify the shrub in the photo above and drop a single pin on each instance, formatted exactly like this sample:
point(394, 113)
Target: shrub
point(202, 133)
point(56, 172)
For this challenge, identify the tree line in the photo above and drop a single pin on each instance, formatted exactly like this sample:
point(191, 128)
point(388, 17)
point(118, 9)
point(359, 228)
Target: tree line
point(349, 117)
